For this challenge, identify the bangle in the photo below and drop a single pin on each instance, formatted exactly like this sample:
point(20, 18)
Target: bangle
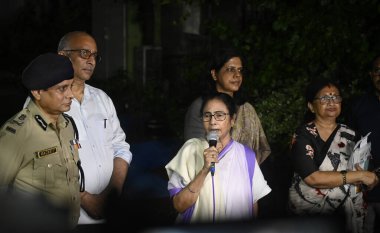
point(188, 187)
point(344, 176)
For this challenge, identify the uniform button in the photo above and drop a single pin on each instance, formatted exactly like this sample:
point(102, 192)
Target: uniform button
point(50, 165)
point(74, 198)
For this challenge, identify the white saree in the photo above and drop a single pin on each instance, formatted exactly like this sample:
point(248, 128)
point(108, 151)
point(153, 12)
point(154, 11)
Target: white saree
point(234, 194)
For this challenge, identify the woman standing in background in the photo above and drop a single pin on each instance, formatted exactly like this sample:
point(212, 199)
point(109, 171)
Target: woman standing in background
point(227, 71)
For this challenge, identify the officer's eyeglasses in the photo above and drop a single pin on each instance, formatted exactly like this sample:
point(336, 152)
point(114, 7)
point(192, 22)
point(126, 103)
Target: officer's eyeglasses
point(86, 54)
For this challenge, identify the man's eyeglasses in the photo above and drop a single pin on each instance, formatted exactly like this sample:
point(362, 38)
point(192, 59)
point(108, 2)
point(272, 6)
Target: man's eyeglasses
point(219, 116)
point(85, 54)
point(336, 99)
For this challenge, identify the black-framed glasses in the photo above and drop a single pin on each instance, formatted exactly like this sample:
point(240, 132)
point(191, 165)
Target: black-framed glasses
point(219, 116)
point(85, 54)
point(336, 99)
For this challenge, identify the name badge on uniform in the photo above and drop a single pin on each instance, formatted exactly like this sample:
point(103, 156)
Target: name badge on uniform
point(48, 151)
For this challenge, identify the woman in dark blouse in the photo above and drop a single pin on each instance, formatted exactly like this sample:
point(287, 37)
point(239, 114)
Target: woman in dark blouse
point(320, 151)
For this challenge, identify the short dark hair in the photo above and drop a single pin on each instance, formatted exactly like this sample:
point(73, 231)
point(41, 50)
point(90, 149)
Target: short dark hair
point(222, 55)
point(219, 57)
point(225, 98)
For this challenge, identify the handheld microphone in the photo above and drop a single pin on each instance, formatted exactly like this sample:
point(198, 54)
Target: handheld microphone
point(212, 138)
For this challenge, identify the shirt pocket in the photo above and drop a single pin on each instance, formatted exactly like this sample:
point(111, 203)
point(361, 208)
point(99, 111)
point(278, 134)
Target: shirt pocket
point(103, 130)
point(47, 171)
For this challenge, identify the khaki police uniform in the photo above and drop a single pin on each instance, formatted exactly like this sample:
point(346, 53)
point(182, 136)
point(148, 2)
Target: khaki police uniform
point(38, 157)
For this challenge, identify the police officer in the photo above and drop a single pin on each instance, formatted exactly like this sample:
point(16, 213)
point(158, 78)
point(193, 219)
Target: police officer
point(38, 146)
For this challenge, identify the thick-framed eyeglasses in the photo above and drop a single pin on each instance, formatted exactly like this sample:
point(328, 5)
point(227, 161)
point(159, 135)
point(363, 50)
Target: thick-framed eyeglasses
point(219, 116)
point(85, 54)
point(336, 99)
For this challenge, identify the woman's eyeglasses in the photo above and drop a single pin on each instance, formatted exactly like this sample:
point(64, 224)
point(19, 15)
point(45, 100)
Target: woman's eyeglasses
point(234, 70)
point(219, 116)
point(336, 99)
point(85, 54)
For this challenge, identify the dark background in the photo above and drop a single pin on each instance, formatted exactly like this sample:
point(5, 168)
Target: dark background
point(155, 53)
point(154, 64)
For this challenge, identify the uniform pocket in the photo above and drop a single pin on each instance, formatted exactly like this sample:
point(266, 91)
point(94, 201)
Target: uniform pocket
point(46, 170)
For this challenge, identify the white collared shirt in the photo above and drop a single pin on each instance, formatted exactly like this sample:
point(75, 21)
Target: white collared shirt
point(102, 139)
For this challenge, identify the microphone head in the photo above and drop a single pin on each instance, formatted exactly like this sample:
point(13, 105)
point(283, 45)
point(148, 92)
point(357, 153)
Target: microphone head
point(212, 137)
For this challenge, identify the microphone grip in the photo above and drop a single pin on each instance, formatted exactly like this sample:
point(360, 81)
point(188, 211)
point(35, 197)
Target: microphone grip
point(212, 143)
point(212, 168)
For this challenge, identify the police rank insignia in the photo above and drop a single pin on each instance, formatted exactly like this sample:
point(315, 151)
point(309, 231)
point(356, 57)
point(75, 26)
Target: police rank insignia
point(48, 151)
point(22, 117)
point(19, 120)
point(41, 121)
point(10, 129)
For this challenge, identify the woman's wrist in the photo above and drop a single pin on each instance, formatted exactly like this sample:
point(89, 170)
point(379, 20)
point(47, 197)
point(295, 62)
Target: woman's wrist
point(344, 177)
point(204, 170)
point(191, 190)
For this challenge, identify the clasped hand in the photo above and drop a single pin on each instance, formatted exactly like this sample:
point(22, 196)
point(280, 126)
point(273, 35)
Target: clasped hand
point(93, 204)
point(210, 155)
point(369, 179)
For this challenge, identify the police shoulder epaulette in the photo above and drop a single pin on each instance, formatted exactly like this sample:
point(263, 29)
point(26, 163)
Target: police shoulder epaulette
point(16, 122)
point(10, 129)
point(19, 119)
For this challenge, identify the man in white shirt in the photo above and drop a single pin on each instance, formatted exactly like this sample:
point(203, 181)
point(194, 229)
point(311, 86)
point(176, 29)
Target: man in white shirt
point(104, 153)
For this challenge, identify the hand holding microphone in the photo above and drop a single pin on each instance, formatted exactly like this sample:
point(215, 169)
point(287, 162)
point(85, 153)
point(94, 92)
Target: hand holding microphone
point(212, 138)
